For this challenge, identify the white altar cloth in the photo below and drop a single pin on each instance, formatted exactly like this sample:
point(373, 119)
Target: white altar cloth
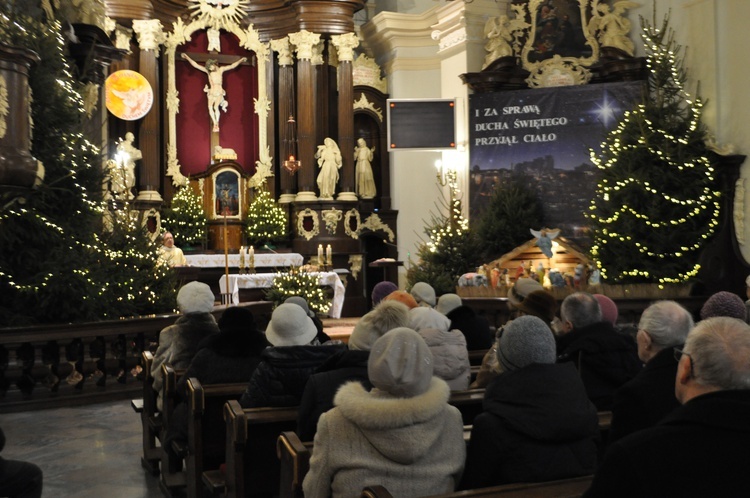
point(264, 260)
point(265, 281)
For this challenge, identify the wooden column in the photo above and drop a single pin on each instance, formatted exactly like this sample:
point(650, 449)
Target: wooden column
point(149, 34)
point(285, 108)
point(345, 45)
point(304, 41)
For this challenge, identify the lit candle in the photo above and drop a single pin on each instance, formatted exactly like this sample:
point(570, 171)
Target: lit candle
point(320, 255)
point(329, 255)
point(252, 252)
point(242, 257)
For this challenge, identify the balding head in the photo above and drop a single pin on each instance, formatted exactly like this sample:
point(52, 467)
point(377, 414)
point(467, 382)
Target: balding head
point(579, 310)
point(717, 358)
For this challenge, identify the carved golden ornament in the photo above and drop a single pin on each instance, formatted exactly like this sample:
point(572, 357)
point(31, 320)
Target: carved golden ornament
point(4, 106)
point(331, 217)
point(350, 215)
point(355, 265)
point(374, 223)
point(308, 234)
point(363, 103)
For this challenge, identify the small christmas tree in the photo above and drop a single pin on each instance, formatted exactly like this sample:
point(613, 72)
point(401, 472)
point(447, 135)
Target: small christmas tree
point(266, 221)
point(512, 211)
point(657, 203)
point(451, 249)
point(186, 218)
point(299, 283)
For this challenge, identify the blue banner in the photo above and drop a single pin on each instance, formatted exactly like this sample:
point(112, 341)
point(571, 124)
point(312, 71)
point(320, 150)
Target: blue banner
point(546, 135)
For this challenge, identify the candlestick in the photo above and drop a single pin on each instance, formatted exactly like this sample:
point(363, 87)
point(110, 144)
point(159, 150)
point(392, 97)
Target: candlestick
point(329, 255)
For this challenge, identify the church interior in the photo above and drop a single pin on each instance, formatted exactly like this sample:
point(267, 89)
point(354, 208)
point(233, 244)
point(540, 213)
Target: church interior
point(357, 141)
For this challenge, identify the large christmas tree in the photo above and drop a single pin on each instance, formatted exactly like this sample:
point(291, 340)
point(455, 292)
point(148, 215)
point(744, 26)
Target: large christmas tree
point(657, 203)
point(58, 261)
point(266, 221)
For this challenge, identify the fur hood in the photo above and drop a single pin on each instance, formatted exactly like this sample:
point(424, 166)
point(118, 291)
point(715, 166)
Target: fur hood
point(385, 316)
point(389, 423)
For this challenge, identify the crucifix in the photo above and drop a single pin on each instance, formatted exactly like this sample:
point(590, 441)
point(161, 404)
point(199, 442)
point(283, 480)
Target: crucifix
point(214, 89)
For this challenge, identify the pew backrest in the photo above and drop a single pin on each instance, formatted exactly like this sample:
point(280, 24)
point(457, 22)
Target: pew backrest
point(251, 437)
point(564, 488)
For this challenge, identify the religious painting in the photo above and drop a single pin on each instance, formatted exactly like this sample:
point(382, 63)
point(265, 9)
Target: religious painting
point(227, 194)
point(558, 28)
point(128, 95)
point(546, 136)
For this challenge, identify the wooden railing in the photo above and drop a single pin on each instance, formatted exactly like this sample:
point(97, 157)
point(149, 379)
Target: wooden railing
point(72, 364)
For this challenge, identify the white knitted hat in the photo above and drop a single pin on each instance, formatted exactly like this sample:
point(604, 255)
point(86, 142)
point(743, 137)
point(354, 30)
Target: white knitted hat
point(290, 326)
point(195, 297)
point(400, 363)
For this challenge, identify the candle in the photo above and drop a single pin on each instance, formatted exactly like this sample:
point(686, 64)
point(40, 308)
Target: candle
point(329, 255)
point(242, 257)
point(320, 255)
point(252, 252)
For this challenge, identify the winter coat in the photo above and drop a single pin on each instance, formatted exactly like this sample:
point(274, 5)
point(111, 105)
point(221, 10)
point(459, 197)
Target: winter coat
point(646, 399)
point(475, 328)
point(698, 450)
point(412, 446)
point(605, 360)
point(178, 343)
point(342, 367)
point(450, 357)
point(280, 378)
point(538, 425)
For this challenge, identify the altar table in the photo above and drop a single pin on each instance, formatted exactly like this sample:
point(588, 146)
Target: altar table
point(262, 260)
point(265, 281)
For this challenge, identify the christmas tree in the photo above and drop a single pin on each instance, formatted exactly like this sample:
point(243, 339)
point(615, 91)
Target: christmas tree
point(657, 203)
point(299, 283)
point(53, 266)
point(451, 249)
point(186, 219)
point(505, 223)
point(266, 221)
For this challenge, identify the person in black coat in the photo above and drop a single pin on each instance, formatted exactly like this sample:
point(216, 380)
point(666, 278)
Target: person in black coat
point(538, 423)
point(649, 397)
point(475, 328)
point(700, 449)
point(18, 478)
point(605, 359)
point(228, 356)
point(284, 369)
point(347, 365)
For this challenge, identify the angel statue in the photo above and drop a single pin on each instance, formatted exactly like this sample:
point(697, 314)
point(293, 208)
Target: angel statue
point(613, 29)
point(544, 239)
point(498, 38)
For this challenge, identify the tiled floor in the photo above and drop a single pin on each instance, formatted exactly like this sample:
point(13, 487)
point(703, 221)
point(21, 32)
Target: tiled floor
point(89, 451)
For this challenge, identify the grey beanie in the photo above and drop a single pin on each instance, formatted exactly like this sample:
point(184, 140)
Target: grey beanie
point(195, 297)
point(423, 294)
point(385, 316)
point(448, 302)
point(524, 341)
point(400, 363)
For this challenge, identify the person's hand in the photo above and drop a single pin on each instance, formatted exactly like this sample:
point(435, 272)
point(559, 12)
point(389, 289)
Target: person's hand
point(183, 55)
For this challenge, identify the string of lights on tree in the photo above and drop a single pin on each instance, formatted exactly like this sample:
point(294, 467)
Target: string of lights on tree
point(186, 219)
point(266, 221)
point(299, 283)
point(58, 260)
point(657, 202)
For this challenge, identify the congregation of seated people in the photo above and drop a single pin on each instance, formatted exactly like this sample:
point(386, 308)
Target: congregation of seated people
point(377, 406)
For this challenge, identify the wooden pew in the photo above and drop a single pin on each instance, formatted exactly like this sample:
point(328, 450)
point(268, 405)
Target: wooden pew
point(172, 478)
point(294, 456)
point(150, 418)
point(251, 466)
point(565, 488)
point(468, 402)
point(476, 356)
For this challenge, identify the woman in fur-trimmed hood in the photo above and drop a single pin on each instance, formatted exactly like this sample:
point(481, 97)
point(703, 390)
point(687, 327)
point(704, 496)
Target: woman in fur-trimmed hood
point(403, 434)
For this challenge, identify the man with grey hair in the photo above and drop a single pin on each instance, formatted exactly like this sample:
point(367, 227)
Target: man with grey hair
point(700, 449)
point(646, 399)
point(605, 358)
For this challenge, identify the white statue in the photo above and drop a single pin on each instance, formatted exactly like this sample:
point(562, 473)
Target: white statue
point(329, 162)
point(215, 90)
point(498, 38)
point(613, 29)
point(122, 169)
point(365, 181)
point(224, 154)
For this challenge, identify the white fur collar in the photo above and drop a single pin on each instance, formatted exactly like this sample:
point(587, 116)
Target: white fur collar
point(379, 410)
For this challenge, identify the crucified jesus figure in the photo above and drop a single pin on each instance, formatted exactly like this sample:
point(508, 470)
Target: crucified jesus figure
point(214, 90)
